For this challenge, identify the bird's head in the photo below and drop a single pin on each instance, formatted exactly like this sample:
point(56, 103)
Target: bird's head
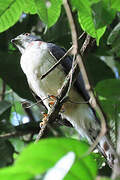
point(23, 40)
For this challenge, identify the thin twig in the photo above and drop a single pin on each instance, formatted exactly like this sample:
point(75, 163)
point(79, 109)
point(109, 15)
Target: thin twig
point(21, 130)
point(81, 36)
point(71, 77)
point(40, 134)
point(85, 44)
point(93, 102)
point(25, 103)
point(14, 106)
point(28, 112)
point(56, 64)
point(72, 27)
point(8, 135)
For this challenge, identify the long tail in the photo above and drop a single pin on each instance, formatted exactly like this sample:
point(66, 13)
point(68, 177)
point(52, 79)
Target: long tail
point(107, 150)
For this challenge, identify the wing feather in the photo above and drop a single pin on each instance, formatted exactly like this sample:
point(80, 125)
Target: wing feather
point(67, 64)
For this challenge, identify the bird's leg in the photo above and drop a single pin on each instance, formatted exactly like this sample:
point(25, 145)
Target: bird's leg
point(52, 100)
point(44, 120)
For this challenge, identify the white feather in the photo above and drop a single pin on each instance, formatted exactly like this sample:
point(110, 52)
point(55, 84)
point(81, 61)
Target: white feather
point(35, 61)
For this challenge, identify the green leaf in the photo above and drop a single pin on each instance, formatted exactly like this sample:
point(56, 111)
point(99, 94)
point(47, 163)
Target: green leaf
point(86, 19)
point(10, 173)
point(6, 153)
point(4, 106)
point(105, 178)
point(29, 7)
point(99, 159)
point(18, 144)
point(38, 158)
point(11, 73)
point(49, 11)
point(97, 70)
point(93, 1)
point(114, 35)
point(103, 14)
point(10, 12)
point(109, 89)
point(109, 94)
point(18, 108)
point(5, 109)
point(115, 4)
point(80, 170)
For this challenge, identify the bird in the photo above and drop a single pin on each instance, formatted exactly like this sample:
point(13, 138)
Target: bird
point(37, 57)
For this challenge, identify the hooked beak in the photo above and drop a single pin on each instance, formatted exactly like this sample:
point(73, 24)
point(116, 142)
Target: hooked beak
point(13, 41)
point(17, 43)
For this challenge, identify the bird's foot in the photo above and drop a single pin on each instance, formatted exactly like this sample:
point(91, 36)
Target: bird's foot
point(52, 100)
point(44, 120)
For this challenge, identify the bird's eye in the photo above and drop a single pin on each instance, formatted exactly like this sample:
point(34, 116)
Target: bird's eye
point(27, 34)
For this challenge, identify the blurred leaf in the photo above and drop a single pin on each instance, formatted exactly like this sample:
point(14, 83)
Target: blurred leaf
point(63, 38)
point(103, 13)
point(56, 148)
point(110, 61)
point(109, 108)
point(11, 73)
point(37, 158)
point(115, 4)
point(86, 20)
point(93, 1)
point(12, 174)
point(18, 144)
point(5, 126)
point(97, 70)
point(99, 159)
point(17, 108)
point(115, 48)
point(49, 11)
point(104, 178)
point(114, 35)
point(11, 47)
point(5, 108)
point(114, 40)
point(109, 89)
point(88, 172)
point(6, 153)
point(4, 105)
point(29, 7)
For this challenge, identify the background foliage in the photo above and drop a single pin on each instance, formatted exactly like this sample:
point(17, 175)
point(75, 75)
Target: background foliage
point(19, 125)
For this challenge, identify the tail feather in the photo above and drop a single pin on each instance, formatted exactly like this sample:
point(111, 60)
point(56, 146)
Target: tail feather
point(107, 150)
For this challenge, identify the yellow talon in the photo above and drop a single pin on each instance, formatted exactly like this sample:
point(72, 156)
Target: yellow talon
point(52, 100)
